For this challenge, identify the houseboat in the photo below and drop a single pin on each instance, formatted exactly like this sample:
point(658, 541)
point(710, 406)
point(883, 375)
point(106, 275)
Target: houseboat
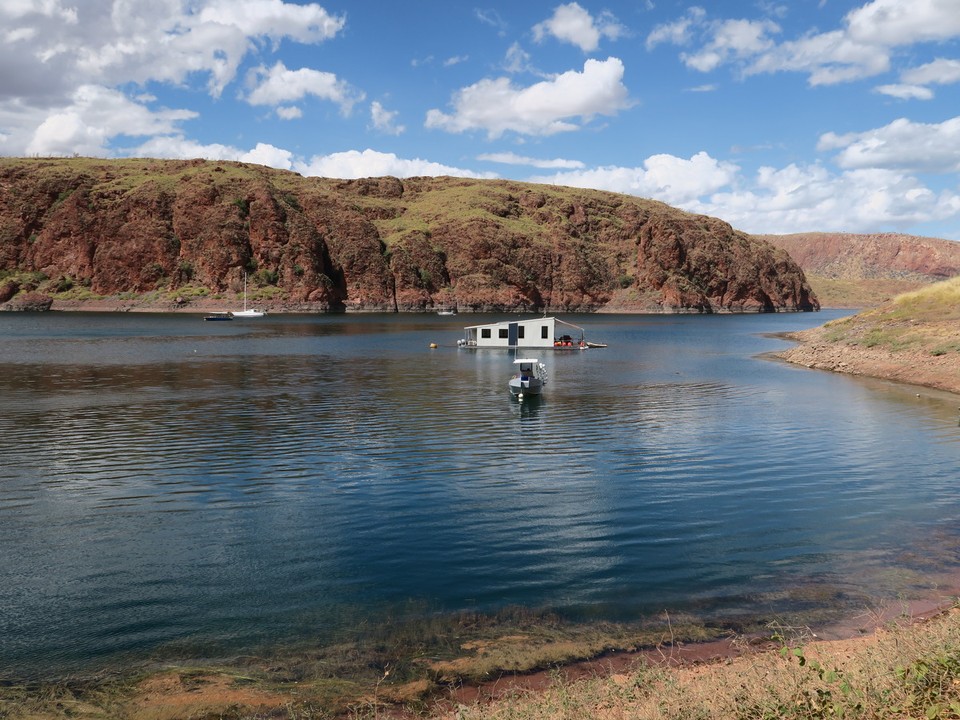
point(541, 332)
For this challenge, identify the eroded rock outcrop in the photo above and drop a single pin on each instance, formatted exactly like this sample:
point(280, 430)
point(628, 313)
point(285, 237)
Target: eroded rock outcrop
point(380, 244)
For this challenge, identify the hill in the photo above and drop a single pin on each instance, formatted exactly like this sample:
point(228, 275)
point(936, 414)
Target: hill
point(167, 234)
point(913, 339)
point(847, 270)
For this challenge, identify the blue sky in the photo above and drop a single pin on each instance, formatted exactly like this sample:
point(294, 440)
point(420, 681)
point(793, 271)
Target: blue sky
point(777, 117)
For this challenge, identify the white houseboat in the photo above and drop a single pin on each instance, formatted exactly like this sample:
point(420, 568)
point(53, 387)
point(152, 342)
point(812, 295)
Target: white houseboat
point(541, 332)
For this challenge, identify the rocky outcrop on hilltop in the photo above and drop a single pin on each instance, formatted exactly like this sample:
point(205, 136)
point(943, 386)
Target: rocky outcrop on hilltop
point(183, 233)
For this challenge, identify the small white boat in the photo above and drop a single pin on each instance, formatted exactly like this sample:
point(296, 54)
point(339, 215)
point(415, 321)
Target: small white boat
point(446, 312)
point(530, 378)
point(252, 312)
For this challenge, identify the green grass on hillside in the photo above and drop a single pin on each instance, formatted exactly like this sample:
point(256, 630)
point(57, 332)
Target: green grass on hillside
point(926, 320)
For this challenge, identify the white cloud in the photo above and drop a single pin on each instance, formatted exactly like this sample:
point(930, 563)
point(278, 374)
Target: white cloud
point(906, 92)
point(274, 19)
point(894, 23)
point(828, 58)
point(797, 198)
point(667, 178)
point(370, 163)
point(939, 72)
point(509, 158)
point(861, 48)
point(545, 108)
point(385, 120)
point(54, 52)
point(289, 112)
point(279, 85)
point(94, 116)
point(916, 147)
point(572, 24)
point(517, 59)
point(678, 32)
point(732, 39)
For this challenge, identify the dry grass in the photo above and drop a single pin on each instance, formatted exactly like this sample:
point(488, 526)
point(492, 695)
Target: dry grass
point(926, 320)
point(904, 671)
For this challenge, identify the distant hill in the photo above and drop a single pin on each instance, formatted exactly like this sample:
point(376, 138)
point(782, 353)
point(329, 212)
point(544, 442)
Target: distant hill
point(848, 270)
point(168, 234)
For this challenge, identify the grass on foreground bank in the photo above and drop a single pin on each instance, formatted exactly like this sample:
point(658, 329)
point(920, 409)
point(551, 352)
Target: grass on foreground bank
point(927, 320)
point(904, 671)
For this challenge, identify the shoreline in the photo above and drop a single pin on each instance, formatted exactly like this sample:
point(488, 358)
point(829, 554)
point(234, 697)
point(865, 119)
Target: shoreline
point(816, 351)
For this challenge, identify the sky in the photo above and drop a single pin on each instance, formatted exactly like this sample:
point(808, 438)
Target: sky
point(777, 117)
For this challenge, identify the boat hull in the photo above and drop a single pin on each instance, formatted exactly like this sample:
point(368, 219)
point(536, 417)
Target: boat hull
point(532, 386)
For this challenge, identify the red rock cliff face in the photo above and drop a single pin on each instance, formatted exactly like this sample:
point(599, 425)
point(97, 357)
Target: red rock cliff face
point(887, 255)
point(137, 226)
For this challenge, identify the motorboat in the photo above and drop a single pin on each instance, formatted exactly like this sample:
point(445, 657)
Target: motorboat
point(529, 378)
point(218, 316)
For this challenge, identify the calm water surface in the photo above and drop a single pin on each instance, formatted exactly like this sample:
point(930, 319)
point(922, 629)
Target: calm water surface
point(209, 487)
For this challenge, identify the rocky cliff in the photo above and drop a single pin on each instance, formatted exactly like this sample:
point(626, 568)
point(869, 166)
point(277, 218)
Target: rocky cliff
point(851, 270)
point(177, 232)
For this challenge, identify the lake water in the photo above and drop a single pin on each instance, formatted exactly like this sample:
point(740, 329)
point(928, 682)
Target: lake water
point(173, 483)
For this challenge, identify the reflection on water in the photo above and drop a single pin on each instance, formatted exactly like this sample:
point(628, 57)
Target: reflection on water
point(168, 481)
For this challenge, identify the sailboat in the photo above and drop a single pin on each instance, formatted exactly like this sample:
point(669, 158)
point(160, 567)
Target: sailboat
point(247, 313)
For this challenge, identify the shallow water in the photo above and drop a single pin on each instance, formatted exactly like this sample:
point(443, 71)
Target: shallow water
point(169, 483)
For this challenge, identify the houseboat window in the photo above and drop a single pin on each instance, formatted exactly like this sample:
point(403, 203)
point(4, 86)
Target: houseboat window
point(485, 333)
point(544, 331)
point(504, 333)
point(520, 331)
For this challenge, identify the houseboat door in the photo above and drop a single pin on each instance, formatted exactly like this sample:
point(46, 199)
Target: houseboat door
point(512, 334)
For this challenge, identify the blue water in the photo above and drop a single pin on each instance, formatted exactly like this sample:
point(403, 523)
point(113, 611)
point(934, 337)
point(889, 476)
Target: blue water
point(172, 485)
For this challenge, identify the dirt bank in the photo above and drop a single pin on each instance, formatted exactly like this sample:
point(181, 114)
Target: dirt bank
point(917, 366)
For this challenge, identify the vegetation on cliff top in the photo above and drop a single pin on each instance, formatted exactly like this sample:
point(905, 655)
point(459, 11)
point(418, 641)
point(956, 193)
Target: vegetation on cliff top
point(137, 229)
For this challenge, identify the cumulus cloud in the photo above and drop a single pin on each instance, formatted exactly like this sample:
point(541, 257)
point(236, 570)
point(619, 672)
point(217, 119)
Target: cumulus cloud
point(861, 48)
point(673, 180)
point(903, 144)
point(572, 24)
point(509, 158)
point(915, 81)
point(371, 163)
point(906, 92)
point(545, 108)
point(828, 58)
point(894, 23)
point(732, 39)
point(278, 85)
point(94, 116)
point(796, 198)
point(385, 120)
point(679, 32)
point(54, 53)
point(941, 71)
